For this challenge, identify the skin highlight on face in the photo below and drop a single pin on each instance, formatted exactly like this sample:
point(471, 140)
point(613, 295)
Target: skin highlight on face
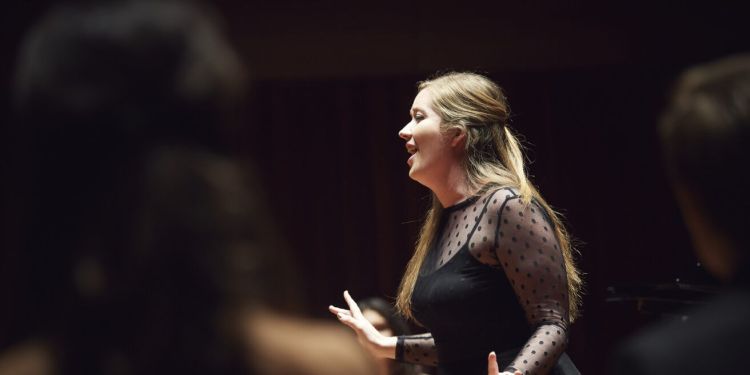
point(436, 154)
point(425, 140)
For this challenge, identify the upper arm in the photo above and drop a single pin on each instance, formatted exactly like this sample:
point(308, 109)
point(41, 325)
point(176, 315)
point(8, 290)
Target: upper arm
point(530, 254)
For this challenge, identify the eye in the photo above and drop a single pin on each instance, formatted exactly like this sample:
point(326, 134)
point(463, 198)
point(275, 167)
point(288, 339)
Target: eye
point(418, 117)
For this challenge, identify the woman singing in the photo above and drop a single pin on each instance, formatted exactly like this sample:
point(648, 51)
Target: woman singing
point(493, 269)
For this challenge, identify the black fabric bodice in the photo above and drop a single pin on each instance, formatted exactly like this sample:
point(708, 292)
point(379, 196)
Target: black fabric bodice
point(468, 299)
point(494, 279)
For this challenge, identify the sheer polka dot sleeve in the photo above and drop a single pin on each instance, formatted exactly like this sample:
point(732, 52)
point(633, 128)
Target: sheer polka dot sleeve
point(418, 349)
point(529, 253)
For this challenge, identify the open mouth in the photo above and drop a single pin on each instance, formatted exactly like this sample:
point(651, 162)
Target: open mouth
point(413, 151)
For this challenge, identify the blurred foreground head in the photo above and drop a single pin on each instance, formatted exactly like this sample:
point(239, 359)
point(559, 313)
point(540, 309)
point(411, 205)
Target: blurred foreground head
point(705, 134)
point(136, 71)
point(139, 243)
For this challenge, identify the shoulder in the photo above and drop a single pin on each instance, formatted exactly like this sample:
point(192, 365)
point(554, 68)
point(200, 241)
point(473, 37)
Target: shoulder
point(497, 199)
point(712, 339)
point(32, 358)
point(296, 345)
point(506, 202)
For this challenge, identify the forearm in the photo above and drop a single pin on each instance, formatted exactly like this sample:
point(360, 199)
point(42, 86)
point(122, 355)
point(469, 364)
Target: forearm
point(417, 349)
point(542, 350)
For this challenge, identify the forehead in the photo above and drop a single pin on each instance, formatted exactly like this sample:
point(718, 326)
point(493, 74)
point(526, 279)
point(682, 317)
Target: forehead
point(423, 100)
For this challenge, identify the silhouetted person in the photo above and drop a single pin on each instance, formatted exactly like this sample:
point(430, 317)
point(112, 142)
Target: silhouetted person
point(705, 135)
point(143, 248)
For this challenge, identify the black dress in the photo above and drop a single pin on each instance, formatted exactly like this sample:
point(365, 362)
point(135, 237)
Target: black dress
point(494, 280)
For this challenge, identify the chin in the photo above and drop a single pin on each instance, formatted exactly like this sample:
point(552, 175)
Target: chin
point(414, 174)
point(418, 178)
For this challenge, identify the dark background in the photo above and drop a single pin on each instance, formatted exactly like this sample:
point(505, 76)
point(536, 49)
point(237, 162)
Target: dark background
point(333, 82)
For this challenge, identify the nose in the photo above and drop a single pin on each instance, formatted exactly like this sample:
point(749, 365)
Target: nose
point(405, 132)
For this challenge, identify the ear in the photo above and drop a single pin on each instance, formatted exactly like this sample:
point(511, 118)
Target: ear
point(457, 137)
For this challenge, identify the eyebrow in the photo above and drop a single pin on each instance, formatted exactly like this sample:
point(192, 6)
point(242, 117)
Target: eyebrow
point(416, 109)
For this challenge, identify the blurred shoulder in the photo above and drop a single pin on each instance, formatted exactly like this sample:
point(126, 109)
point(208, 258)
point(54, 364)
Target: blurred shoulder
point(31, 358)
point(284, 344)
point(711, 339)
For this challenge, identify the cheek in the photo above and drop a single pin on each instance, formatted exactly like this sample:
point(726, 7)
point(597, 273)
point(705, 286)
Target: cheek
point(430, 142)
point(434, 151)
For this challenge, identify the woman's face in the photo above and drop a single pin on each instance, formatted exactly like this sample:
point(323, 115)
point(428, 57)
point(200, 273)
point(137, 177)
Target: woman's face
point(430, 149)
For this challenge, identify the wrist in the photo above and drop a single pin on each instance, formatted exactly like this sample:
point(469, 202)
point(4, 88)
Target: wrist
point(387, 347)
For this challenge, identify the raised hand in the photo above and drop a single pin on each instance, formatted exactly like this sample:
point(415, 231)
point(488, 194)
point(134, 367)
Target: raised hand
point(378, 345)
point(494, 369)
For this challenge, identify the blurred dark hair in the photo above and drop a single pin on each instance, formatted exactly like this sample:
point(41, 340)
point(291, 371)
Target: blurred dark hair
point(139, 239)
point(204, 253)
point(99, 84)
point(705, 134)
point(395, 322)
point(398, 326)
point(152, 71)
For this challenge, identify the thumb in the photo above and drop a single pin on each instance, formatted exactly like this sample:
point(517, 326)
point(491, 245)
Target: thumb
point(492, 367)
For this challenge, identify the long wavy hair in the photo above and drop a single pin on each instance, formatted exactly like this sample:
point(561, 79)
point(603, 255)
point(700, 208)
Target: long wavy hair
point(477, 106)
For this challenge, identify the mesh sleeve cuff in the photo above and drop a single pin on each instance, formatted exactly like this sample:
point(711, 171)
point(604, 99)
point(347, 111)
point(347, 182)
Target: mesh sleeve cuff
point(400, 348)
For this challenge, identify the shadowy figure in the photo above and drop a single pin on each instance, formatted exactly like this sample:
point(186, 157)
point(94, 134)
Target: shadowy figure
point(142, 248)
point(705, 133)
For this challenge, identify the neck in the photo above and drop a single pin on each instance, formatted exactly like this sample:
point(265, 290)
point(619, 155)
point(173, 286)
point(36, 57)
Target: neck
point(714, 248)
point(453, 187)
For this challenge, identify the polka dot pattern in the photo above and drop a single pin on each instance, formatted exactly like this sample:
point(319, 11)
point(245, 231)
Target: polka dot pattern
point(530, 255)
point(457, 228)
point(419, 349)
point(518, 239)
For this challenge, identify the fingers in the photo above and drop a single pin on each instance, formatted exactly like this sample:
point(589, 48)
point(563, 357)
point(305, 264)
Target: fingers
point(336, 310)
point(350, 321)
point(492, 366)
point(353, 307)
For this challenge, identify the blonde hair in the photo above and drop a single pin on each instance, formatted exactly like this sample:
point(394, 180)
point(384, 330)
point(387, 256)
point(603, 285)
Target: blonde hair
point(477, 106)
